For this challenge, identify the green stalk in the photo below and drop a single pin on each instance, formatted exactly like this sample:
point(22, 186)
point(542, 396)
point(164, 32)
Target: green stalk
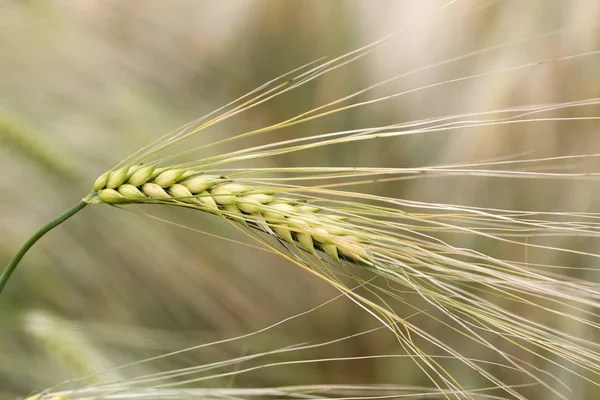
point(30, 242)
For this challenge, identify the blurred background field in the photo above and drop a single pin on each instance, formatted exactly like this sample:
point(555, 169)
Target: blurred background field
point(83, 84)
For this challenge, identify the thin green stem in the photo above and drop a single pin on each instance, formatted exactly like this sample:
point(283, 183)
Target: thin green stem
point(30, 242)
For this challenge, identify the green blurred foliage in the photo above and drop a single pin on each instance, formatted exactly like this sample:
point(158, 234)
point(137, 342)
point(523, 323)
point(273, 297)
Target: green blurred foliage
point(85, 83)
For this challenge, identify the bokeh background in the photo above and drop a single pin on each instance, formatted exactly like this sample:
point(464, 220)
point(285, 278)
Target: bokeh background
point(84, 83)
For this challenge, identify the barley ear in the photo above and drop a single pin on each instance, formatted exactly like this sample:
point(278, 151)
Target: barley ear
point(12, 265)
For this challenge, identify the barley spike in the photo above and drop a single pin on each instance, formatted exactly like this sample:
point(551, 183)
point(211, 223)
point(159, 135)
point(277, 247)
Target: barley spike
point(289, 220)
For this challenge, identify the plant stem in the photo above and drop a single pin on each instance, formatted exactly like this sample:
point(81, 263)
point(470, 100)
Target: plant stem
point(30, 242)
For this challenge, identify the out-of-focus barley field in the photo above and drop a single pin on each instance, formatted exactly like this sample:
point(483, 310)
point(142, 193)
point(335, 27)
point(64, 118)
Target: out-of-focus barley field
point(83, 84)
